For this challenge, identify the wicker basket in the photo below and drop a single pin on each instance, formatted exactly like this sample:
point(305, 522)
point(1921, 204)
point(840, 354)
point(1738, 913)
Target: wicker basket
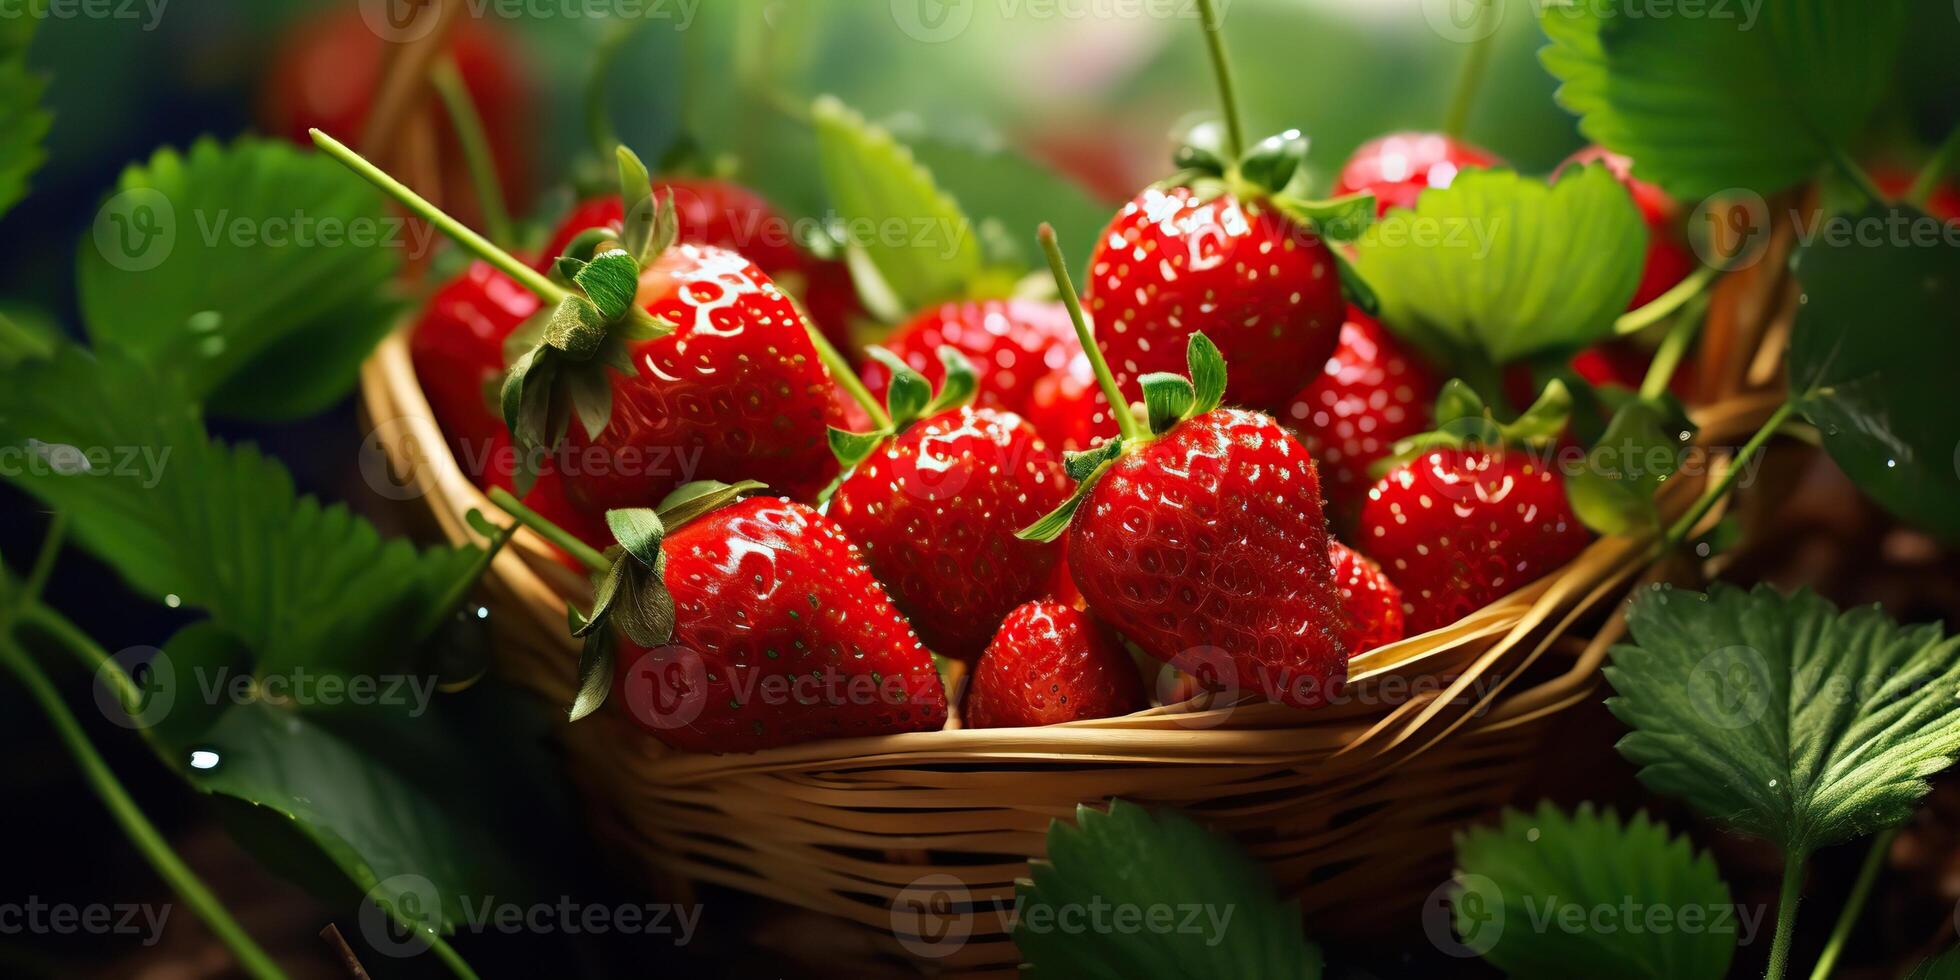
point(1351, 807)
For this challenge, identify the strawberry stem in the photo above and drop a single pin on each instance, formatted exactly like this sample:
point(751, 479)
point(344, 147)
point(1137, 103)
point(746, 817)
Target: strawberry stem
point(587, 555)
point(847, 379)
point(476, 147)
point(1126, 420)
point(1667, 359)
point(1221, 68)
point(1658, 308)
point(1699, 509)
point(1861, 890)
point(1471, 77)
point(460, 233)
point(1859, 178)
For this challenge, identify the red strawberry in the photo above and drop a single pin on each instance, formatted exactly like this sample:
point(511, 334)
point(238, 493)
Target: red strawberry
point(935, 507)
point(457, 347)
point(1397, 168)
point(1372, 394)
point(1051, 663)
point(1895, 182)
point(1068, 408)
point(1669, 260)
point(1371, 605)
point(1461, 528)
point(1266, 290)
point(1011, 344)
point(1201, 538)
point(780, 635)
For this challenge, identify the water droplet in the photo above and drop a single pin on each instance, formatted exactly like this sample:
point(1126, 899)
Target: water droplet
point(173, 600)
point(204, 759)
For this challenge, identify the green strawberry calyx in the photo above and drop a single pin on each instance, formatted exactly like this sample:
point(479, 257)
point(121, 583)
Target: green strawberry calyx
point(562, 374)
point(908, 398)
point(1462, 419)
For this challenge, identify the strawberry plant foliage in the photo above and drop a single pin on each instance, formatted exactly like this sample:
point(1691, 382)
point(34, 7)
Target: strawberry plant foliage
point(23, 122)
point(254, 273)
point(1882, 398)
point(1499, 267)
point(1712, 103)
point(1518, 878)
point(1132, 858)
point(175, 512)
point(1781, 717)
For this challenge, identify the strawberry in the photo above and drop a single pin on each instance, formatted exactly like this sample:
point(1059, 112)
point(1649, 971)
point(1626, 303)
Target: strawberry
point(1048, 664)
point(1201, 538)
point(727, 215)
point(1012, 344)
point(457, 347)
point(1896, 182)
point(1069, 409)
point(933, 501)
point(1173, 260)
point(1475, 511)
point(1372, 394)
point(742, 625)
point(1397, 168)
point(1669, 259)
point(1371, 605)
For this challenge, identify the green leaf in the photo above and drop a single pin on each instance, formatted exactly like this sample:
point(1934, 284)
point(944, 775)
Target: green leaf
point(23, 122)
point(921, 243)
point(644, 609)
point(1272, 162)
point(1080, 466)
point(1782, 718)
point(1945, 966)
point(1207, 366)
point(255, 274)
point(595, 673)
point(1133, 859)
point(638, 530)
point(1554, 896)
point(908, 393)
point(1458, 400)
point(960, 383)
point(611, 279)
point(219, 527)
point(1167, 398)
point(1007, 192)
point(1499, 267)
point(851, 448)
point(1719, 102)
point(1338, 219)
point(1612, 491)
point(691, 500)
point(1871, 360)
point(27, 335)
point(636, 197)
point(1052, 524)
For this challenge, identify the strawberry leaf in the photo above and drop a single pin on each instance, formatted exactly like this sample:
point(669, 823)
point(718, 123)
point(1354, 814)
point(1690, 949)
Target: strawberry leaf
point(1613, 490)
point(1167, 398)
point(1709, 104)
point(254, 274)
point(217, 527)
point(1136, 860)
point(596, 658)
point(691, 500)
point(23, 121)
point(1499, 267)
point(1008, 194)
point(1882, 398)
point(922, 245)
point(1520, 879)
point(636, 198)
point(1781, 717)
point(1945, 966)
point(638, 530)
point(1338, 219)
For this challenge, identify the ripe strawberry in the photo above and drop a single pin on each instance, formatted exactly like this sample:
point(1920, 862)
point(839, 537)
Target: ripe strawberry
point(457, 347)
point(1200, 538)
point(1372, 394)
point(934, 502)
point(1896, 182)
point(1669, 259)
point(735, 392)
point(1011, 344)
point(1397, 168)
point(774, 631)
point(1265, 288)
point(1371, 605)
point(1069, 409)
point(1048, 664)
point(1459, 528)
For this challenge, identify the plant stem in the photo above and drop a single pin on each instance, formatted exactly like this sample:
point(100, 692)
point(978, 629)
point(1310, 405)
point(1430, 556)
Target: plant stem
point(68, 636)
point(482, 248)
point(148, 840)
point(1125, 419)
point(1786, 916)
point(440, 609)
point(1658, 308)
point(1221, 68)
point(1700, 508)
point(37, 576)
point(450, 958)
point(585, 553)
point(1934, 171)
point(847, 379)
point(1471, 77)
point(1667, 359)
point(1862, 180)
point(1854, 904)
point(476, 147)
